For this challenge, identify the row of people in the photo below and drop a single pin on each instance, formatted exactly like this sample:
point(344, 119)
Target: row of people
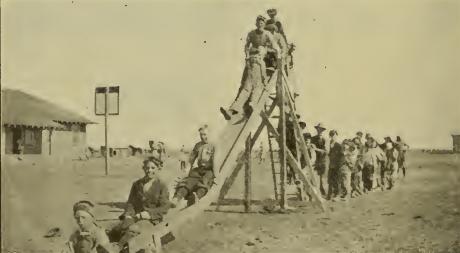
point(354, 166)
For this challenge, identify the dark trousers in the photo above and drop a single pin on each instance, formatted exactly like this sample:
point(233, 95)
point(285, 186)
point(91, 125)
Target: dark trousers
point(333, 182)
point(368, 174)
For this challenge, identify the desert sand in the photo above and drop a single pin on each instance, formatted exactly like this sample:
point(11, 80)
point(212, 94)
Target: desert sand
point(421, 214)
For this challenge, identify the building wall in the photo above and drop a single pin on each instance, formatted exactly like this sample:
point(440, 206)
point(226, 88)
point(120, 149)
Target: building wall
point(69, 142)
point(7, 142)
point(46, 142)
point(32, 141)
point(456, 143)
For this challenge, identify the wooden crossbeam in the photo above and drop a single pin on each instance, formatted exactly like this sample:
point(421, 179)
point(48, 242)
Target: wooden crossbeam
point(247, 176)
point(308, 187)
point(231, 179)
point(301, 141)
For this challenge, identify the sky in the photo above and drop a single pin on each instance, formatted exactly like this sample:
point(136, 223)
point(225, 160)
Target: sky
point(387, 67)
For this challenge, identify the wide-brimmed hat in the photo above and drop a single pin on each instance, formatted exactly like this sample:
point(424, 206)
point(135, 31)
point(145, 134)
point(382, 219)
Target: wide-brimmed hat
point(320, 126)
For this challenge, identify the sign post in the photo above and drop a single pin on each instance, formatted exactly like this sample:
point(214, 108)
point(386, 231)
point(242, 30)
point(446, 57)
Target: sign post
point(107, 102)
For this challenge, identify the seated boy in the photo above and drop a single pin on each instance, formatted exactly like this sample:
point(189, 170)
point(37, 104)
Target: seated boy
point(89, 237)
point(148, 202)
point(200, 178)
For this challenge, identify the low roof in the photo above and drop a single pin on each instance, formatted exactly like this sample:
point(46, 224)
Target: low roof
point(20, 108)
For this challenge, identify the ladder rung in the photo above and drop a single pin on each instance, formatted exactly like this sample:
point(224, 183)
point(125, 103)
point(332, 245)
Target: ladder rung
point(275, 117)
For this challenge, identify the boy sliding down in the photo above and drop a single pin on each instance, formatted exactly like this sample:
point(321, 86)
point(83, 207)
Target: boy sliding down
point(254, 76)
point(200, 178)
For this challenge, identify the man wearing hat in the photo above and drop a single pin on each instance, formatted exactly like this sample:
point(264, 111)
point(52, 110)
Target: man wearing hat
point(254, 78)
point(89, 237)
point(322, 151)
point(147, 203)
point(201, 178)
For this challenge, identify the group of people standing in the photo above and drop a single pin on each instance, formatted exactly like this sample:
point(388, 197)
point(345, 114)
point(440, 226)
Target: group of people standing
point(354, 166)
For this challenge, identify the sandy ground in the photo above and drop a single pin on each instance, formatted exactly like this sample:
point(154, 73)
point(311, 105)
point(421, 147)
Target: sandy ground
point(422, 214)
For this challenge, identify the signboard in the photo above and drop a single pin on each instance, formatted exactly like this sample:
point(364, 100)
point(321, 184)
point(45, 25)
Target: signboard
point(113, 100)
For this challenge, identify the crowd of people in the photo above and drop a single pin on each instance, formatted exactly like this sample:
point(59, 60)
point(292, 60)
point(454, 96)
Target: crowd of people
point(354, 166)
point(348, 168)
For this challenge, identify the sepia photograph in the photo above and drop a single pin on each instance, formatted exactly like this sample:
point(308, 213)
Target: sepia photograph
point(233, 126)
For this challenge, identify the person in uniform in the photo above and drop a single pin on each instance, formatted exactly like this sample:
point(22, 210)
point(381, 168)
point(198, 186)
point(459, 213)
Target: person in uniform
point(201, 177)
point(402, 148)
point(348, 167)
point(254, 76)
point(356, 171)
point(322, 150)
point(89, 237)
point(336, 160)
point(372, 158)
point(391, 164)
point(147, 204)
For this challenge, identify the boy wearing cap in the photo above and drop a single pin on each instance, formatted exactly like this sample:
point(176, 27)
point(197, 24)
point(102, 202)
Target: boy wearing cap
point(254, 76)
point(89, 237)
point(200, 178)
point(322, 149)
point(147, 203)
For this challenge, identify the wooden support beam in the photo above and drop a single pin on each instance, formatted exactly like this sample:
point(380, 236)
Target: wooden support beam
point(231, 179)
point(247, 176)
point(303, 177)
point(308, 187)
point(282, 140)
point(302, 144)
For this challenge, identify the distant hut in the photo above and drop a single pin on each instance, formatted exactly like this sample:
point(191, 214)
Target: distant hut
point(41, 127)
point(456, 143)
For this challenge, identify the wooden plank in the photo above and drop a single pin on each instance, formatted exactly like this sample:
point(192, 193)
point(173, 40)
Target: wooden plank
point(247, 176)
